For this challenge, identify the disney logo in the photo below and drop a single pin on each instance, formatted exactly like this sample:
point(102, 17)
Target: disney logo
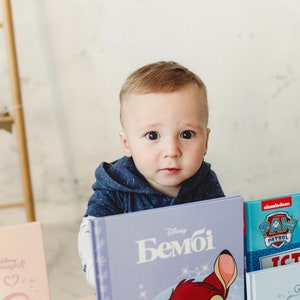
point(12, 263)
point(174, 231)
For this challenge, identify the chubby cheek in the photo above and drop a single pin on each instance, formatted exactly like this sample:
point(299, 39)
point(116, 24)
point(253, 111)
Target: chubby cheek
point(145, 165)
point(193, 168)
point(143, 157)
point(195, 158)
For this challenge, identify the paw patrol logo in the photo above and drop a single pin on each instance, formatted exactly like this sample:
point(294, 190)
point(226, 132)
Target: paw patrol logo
point(277, 229)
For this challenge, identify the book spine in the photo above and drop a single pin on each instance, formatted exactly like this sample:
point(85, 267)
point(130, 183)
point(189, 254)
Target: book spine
point(102, 273)
point(248, 237)
point(250, 287)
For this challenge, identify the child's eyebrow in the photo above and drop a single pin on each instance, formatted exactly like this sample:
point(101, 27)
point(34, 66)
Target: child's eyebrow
point(197, 125)
point(149, 127)
point(156, 126)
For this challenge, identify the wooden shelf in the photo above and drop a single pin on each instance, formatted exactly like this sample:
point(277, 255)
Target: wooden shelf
point(11, 205)
point(6, 119)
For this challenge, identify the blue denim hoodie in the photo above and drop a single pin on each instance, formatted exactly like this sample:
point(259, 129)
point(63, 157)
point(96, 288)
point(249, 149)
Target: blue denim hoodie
point(121, 188)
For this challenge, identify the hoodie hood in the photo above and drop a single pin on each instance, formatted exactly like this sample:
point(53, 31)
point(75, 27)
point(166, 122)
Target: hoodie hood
point(121, 188)
point(122, 176)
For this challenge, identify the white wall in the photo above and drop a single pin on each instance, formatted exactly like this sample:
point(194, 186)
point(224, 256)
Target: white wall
point(75, 54)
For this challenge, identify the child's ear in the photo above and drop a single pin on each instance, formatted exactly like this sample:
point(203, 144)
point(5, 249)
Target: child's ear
point(207, 137)
point(124, 143)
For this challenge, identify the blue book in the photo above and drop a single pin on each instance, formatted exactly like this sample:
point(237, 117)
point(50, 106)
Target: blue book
point(178, 252)
point(272, 232)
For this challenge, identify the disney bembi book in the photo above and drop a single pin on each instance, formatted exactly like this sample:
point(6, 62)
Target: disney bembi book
point(272, 232)
point(188, 251)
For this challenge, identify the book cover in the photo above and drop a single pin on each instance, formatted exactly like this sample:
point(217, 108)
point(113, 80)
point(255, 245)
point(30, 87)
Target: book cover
point(23, 272)
point(184, 251)
point(272, 232)
point(282, 283)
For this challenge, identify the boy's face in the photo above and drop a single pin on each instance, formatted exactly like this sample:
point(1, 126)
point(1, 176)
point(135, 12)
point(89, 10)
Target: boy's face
point(166, 134)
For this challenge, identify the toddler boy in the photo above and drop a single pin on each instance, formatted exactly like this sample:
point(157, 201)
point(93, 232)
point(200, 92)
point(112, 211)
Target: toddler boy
point(164, 118)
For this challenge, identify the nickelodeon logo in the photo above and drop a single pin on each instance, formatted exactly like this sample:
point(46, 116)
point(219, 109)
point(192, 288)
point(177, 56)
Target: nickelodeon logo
point(276, 203)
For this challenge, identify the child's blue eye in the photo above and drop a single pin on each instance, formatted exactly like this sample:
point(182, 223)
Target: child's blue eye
point(152, 135)
point(187, 134)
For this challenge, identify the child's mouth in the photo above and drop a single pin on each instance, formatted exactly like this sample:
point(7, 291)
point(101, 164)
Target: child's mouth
point(171, 170)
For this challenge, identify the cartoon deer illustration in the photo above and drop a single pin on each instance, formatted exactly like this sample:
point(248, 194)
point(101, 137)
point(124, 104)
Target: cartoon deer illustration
point(214, 287)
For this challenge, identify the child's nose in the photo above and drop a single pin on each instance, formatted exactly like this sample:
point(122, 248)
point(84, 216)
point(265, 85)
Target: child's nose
point(172, 149)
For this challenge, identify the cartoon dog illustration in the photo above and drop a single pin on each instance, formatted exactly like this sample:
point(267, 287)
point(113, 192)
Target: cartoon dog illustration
point(214, 287)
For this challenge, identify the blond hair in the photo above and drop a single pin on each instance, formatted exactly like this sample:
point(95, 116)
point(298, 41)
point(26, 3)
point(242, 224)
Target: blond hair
point(161, 77)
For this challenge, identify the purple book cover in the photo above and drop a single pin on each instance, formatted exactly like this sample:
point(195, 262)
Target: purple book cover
point(178, 252)
point(272, 232)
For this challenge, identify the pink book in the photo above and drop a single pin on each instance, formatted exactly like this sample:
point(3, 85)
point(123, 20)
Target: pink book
point(23, 273)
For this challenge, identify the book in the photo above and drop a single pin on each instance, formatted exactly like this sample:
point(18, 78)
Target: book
point(177, 252)
point(272, 235)
point(23, 273)
point(279, 283)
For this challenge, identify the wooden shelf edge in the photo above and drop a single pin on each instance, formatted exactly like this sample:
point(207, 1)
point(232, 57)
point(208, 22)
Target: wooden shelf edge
point(11, 205)
point(7, 119)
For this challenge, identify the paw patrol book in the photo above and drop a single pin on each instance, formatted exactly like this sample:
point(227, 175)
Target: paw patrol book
point(23, 274)
point(187, 251)
point(282, 283)
point(272, 232)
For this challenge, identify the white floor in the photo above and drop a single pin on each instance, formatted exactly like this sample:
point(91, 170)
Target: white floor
point(66, 280)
